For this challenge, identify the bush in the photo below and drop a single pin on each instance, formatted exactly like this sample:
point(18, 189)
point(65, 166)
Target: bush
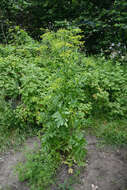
point(104, 85)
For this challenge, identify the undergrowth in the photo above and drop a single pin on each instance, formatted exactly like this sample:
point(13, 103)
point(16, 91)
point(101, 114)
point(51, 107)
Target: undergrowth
point(14, 138)
point(53, 87)
point(109, 132)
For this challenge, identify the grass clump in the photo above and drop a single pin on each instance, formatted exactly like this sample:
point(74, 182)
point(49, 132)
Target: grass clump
point(109, 132)
point(39, 170)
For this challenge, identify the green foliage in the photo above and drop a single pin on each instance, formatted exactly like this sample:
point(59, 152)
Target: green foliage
point(55, 106)
point(112, 132)
point(19, 36)
point(102, 82)
point(10, 74)
point(44, 95)
point(103, 22)
point(39, 169)
point(11, 134)
point(7, 118)
point(54, 87)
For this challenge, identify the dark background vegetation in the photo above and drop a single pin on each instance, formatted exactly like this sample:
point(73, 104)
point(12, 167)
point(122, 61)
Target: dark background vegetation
point(103, 22)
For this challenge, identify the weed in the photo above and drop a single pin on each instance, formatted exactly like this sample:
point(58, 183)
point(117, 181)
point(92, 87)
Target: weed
point(110, 132)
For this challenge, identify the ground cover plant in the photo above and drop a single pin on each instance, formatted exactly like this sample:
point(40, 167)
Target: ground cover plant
point(53, 87)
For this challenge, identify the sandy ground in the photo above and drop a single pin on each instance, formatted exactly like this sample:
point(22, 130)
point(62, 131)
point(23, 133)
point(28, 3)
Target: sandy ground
point(8, 161)
point(106, 168)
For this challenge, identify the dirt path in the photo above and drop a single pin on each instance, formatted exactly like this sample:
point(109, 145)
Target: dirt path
point(9, 181)
point(106, 168)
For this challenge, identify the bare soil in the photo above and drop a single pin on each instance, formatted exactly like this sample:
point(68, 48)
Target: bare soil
point(106, 168)
point(8, 161)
